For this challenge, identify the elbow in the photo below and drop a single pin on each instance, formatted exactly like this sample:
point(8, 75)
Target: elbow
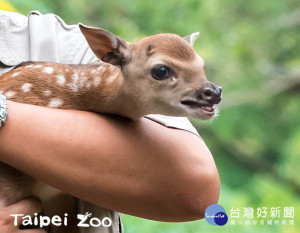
point(200, 188)
point(200, 193)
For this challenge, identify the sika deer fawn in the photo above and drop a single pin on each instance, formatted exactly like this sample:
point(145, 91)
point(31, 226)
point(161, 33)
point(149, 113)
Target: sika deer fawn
point(161, 74)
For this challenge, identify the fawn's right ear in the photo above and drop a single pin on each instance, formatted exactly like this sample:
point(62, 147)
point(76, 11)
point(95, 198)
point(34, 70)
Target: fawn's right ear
point(191, 38)
point(106, 46)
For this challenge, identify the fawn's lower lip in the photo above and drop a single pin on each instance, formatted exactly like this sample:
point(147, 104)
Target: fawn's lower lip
point(201, 111)
point(208, 108)
point(210, 113)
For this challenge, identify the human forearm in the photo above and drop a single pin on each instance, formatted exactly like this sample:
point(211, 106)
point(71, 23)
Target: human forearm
point(140, 168)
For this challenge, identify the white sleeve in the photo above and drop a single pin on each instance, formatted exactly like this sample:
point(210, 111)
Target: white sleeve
point(174, 122)
point(41, 38)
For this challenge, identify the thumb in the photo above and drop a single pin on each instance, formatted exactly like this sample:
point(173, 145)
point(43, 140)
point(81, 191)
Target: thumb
point(28, 206)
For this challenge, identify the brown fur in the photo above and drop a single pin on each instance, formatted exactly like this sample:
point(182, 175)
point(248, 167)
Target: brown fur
point(170, 45)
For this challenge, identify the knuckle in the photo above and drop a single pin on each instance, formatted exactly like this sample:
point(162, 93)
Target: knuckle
point(4, 221)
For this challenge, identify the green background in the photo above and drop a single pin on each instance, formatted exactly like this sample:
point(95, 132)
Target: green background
point(251, 49)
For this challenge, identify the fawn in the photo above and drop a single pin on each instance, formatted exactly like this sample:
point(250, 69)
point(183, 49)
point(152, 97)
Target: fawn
point(161, 74)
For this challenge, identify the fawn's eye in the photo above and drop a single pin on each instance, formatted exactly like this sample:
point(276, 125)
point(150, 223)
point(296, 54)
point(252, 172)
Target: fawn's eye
point(160, 72)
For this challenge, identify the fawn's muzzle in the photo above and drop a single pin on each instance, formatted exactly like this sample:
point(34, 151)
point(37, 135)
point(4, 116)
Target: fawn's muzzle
point(210, 93)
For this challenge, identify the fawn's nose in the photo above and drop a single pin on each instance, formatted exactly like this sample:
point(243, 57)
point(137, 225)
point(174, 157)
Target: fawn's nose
point(210, 93)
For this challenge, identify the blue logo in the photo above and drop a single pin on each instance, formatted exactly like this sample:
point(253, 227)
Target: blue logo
point(216, 215)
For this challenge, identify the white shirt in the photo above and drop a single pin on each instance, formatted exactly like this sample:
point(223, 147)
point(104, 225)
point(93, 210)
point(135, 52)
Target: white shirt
point(48, 38)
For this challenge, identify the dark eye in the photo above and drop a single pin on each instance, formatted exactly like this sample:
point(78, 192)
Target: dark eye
point(160, 72)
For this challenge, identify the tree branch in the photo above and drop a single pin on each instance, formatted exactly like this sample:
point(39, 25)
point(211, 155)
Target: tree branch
point(262, 93)
point(250, 163)
point(288, 20)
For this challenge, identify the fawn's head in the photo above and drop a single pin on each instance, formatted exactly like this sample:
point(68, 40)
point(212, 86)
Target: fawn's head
point(162, 72)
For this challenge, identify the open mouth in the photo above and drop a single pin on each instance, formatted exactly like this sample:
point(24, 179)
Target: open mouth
point(206, 108)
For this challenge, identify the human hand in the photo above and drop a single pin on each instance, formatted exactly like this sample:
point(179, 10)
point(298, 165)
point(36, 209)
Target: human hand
point(27, 207)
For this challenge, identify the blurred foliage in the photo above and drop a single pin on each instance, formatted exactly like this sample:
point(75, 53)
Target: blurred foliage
point(6, 6)
point(252, 49)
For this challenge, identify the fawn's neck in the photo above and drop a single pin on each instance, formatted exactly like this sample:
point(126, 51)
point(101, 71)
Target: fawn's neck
point(103, 91)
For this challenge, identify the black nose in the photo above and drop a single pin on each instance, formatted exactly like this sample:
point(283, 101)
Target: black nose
point(210, 93)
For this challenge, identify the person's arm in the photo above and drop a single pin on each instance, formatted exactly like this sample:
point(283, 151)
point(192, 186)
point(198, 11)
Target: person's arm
point(139, 168)
point(10, 224)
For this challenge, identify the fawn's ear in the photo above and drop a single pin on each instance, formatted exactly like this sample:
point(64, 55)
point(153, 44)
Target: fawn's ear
point(106, 46)
point(191, 38)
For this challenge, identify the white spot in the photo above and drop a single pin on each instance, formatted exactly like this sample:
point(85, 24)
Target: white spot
point(173, 79)
point(15, 74)
point(37, 66)
point(111, 68)
point(112, 78)
point(100, 69)
point(48, 70)
point(75, 77)
point(9, 94)
point(97, 81)
point(61, 79)
point(28, 66)
point(88, 85)
point(74, 84)
point(26, 87)
point(82, 81)
point(1, 92)
point(47, 93)
point(55, 103)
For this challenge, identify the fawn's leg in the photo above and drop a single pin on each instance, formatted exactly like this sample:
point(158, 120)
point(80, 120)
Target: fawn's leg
point(14, 185)
point(55, 202)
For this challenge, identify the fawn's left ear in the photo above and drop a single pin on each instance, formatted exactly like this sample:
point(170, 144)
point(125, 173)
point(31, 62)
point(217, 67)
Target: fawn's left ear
point(191, 38)
point(106, 46)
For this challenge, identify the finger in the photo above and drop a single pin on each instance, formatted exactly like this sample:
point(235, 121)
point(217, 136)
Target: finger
point(28, 206)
